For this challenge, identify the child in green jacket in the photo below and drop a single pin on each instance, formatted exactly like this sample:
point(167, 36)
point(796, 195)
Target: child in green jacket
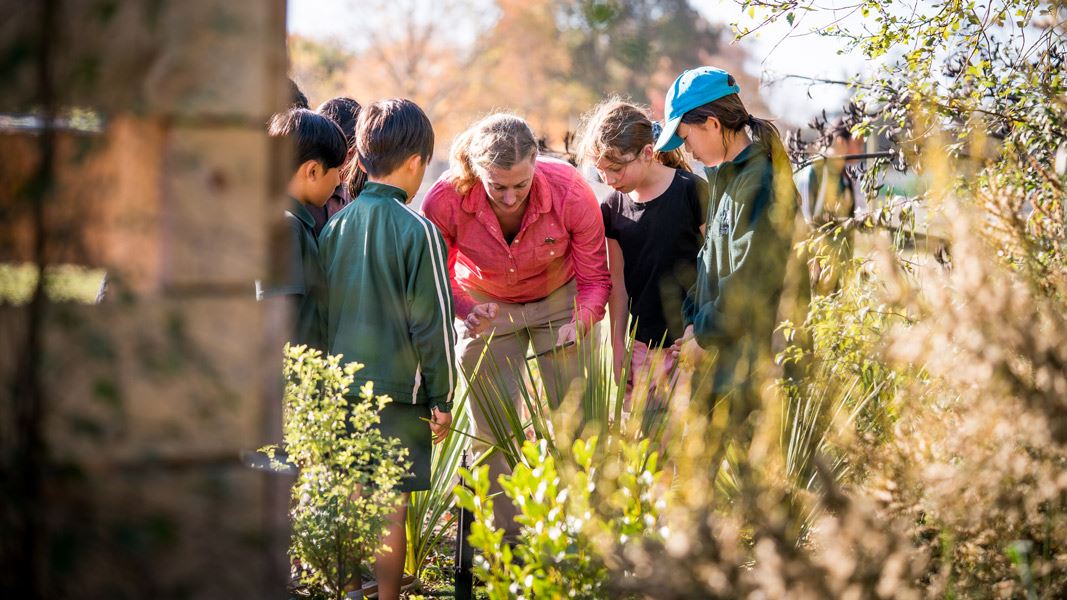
point(389, 302)
point(319, 150)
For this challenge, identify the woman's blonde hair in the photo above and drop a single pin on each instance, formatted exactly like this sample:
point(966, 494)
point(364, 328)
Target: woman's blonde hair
point(616, 129)
point(499, 140)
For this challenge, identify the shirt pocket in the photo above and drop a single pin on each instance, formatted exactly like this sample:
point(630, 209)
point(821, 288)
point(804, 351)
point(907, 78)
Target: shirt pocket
point(477, 247)
point(551, 249)
point(546, 242)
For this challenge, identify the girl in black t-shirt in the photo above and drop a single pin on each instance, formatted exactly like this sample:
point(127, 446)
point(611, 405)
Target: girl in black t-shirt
point(654, 222)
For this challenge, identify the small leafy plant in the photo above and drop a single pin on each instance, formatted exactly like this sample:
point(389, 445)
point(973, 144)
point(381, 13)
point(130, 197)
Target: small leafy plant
point(592, 497)
point(348, 472)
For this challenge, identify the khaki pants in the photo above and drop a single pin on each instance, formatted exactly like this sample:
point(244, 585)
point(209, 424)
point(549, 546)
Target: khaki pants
point(504, 369)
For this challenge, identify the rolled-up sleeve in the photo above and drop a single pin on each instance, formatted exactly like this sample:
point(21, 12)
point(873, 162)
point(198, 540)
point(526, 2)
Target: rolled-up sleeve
point(585, 224)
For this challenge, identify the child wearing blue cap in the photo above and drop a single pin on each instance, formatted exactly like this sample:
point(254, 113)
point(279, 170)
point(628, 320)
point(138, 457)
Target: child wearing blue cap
point(742, 267)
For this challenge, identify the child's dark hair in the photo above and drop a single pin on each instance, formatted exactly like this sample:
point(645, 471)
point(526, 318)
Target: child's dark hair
point(839, 129)
point(617, 129)
point(297, 99)
point(314, 136)
point(734, 117)
point(388, 132)
point(345, 111)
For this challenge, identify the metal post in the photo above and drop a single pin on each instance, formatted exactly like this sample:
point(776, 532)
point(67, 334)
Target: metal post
point(464, 579)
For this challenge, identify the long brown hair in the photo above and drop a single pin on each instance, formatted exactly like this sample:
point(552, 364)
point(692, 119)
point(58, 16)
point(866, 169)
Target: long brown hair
point(734, 117)
point(499, 140)
point(616, 129)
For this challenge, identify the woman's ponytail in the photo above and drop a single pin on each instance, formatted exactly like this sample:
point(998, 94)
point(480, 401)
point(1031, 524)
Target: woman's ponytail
point(460, 167)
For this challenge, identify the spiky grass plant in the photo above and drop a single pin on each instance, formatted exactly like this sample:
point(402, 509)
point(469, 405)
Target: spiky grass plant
point(593, 403)
point(432, 512)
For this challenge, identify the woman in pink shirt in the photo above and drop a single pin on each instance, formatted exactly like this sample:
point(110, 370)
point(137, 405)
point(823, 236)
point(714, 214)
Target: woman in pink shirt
point(526, 259)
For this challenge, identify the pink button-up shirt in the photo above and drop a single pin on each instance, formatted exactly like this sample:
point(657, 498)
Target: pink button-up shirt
point(561, 237)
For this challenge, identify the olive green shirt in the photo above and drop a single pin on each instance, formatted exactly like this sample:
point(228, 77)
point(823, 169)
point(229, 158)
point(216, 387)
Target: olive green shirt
point(297, 272)
point(745, 261)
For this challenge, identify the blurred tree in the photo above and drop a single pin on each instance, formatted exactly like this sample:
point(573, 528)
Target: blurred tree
point(525, 69)
point(619, 46)
point(417, 47)
point(319, 67)
point(547, 60)
point(552, 60)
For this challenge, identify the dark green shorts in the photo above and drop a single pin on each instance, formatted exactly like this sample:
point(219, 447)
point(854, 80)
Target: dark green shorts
point(405, 422)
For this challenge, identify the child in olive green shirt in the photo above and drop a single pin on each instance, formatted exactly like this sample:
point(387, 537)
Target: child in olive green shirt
point(320, 149)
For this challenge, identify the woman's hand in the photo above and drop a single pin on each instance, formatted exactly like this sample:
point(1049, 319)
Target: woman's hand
point(569, 333)
point(439, 424)
point(479, 319)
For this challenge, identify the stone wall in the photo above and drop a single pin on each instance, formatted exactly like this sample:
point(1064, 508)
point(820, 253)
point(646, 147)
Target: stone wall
point(149, 397)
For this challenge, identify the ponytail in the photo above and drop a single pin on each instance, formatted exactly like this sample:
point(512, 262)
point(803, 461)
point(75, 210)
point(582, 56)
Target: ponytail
point(734, 117)
point(764, 131)
point(499, 140)
point(675, 159)
point(355, 178)
point(461, 170)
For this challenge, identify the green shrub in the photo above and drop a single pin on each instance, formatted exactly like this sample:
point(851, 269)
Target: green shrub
point(591, 497)
point(348, 471)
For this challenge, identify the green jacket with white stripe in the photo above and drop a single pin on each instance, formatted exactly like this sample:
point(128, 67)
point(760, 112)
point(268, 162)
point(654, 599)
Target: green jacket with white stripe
point(389, 303)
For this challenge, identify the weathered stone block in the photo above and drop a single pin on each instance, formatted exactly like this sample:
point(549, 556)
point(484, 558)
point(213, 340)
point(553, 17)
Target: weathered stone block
point(164, 379)
point(163, 532)
point(216, 213)
point(197, 74)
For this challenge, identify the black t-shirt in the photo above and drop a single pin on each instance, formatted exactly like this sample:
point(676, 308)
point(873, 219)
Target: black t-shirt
point(660, 240)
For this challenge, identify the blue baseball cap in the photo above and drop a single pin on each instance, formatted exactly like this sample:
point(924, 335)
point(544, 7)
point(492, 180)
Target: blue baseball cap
point(693, 88)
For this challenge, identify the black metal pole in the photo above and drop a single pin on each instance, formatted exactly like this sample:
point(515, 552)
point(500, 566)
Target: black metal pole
point(27, 574)
point(464, 579)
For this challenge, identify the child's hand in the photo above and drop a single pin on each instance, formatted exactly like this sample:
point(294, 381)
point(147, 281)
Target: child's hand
point(439, 424)
point(676, 347)
point(479, 319)
point(685, 350)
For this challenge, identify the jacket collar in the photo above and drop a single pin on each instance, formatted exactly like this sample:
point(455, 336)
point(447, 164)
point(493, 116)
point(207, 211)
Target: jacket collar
point(374, 188)
point(301, 212)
